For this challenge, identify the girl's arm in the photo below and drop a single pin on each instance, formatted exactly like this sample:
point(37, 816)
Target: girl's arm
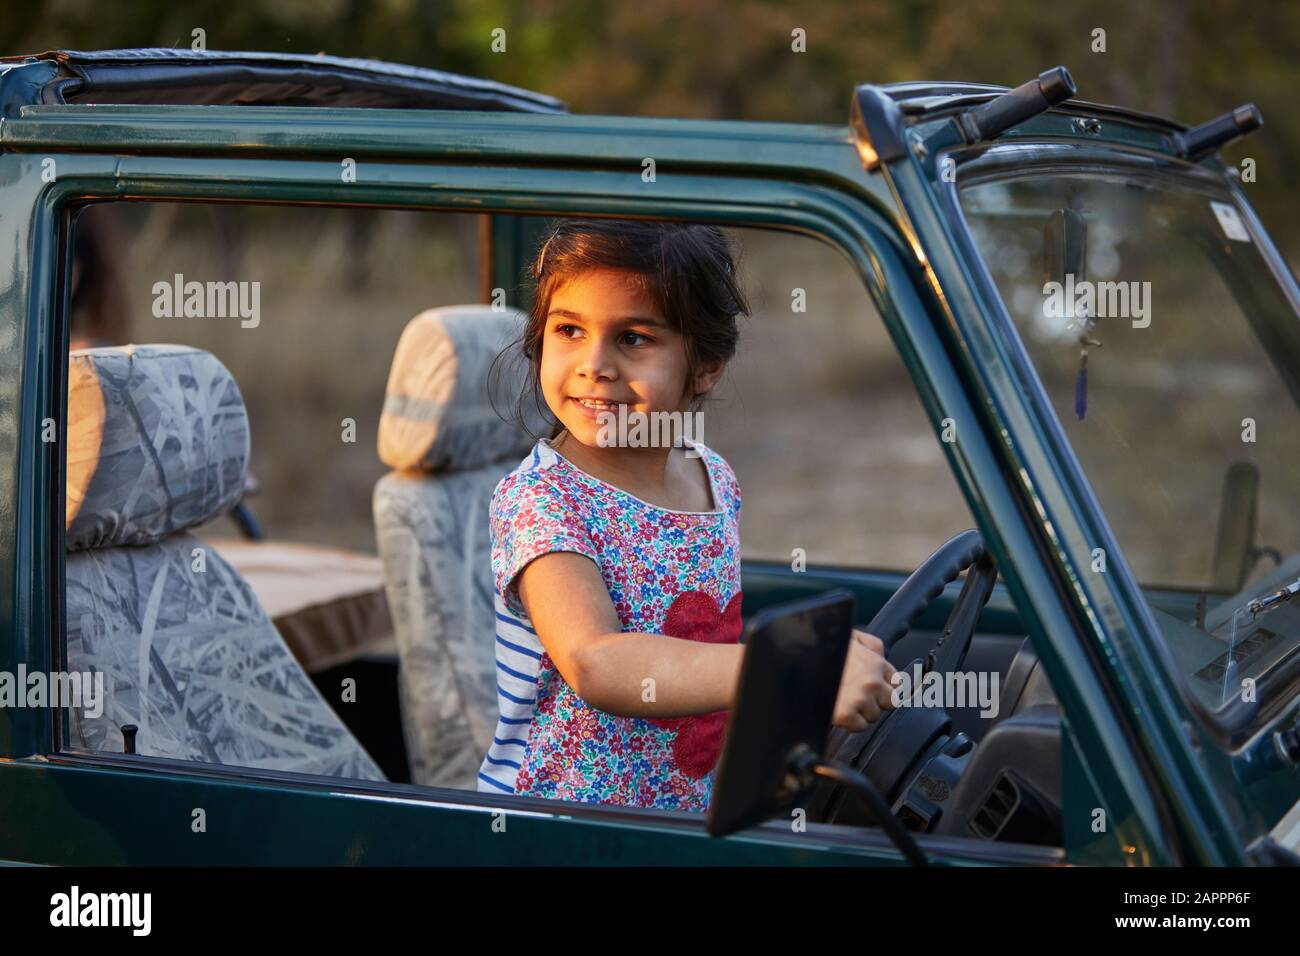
point(569, 605)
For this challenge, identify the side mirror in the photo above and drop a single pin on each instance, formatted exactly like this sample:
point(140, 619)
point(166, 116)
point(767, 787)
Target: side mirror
point(778, 730)
point(1065, 246)
point(794, 658)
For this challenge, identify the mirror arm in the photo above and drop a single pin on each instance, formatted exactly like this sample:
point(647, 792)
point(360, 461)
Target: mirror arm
point(805, 765)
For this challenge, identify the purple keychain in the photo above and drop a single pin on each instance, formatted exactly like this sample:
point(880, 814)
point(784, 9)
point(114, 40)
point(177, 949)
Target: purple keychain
point(1081, 380)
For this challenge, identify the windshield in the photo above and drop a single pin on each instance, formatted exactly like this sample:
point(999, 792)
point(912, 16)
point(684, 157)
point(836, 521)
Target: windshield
point(1172, 358)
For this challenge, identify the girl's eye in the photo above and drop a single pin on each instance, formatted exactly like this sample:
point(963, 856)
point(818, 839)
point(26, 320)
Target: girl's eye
point(565, 330)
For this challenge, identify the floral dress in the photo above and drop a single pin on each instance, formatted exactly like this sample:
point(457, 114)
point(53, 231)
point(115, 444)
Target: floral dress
point(668, 572)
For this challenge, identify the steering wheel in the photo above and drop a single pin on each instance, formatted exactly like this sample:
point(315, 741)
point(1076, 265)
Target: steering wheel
point(890, 751)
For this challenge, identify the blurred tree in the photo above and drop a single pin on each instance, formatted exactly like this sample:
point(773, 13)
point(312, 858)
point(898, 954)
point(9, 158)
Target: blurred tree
point(1190, 59)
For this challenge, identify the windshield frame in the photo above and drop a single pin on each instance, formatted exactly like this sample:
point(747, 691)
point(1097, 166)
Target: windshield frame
point(1237, 724)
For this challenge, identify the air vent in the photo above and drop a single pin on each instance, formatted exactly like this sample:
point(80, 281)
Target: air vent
point(1002, 800)
point(1014, 812)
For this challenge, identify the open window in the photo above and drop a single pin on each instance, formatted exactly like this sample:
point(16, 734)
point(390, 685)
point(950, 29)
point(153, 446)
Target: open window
point(265, 592)
point(219, 486)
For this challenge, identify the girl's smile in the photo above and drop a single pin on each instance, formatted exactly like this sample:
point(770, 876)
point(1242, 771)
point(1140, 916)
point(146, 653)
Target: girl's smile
point(593, 410)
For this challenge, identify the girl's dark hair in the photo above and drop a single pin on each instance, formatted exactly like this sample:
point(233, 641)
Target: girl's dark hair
point(99, 310)
point(686, 269)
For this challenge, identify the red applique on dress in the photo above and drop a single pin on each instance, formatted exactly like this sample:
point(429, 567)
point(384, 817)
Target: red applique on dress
point(694, 616)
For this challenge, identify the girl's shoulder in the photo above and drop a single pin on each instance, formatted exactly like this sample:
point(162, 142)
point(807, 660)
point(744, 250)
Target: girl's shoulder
point(536, 473)
point(726, 484)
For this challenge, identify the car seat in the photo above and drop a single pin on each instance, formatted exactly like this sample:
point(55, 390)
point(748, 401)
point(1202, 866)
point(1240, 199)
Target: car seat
point(449, 449)
point(158, 442)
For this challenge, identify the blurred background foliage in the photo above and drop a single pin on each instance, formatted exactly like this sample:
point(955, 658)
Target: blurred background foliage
point(1182, 58)
point(869, 485)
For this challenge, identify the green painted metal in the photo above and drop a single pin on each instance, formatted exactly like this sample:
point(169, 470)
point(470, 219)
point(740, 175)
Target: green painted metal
point(28, 246)
point(768, 583)
point(1026, 495)
point(514, 242)
point(89, 813)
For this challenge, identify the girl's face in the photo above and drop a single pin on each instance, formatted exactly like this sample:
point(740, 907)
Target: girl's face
point(604, 340)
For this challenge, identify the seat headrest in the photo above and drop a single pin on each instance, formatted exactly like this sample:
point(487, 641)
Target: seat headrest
point(157, 442)
point(437, 414)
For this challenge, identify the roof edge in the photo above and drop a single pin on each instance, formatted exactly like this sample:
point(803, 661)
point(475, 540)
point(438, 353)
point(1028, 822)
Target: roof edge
point(167, 76)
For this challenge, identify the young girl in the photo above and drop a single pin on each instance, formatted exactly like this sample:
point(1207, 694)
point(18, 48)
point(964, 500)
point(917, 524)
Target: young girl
point(617, 564)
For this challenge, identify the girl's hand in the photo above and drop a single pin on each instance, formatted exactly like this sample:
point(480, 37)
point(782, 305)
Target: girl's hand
point(865, 689)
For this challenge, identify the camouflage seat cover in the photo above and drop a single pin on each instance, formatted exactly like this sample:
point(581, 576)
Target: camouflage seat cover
point(158, 442)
